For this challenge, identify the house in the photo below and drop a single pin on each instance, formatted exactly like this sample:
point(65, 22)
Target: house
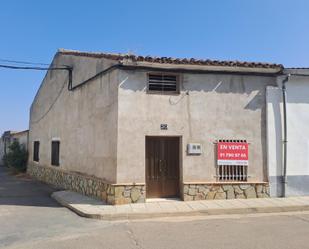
point(8, 137)
point(297, 134)
point(125, 128)
point(1, 151)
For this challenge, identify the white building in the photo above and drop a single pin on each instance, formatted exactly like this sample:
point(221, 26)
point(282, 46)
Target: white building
point(10, 136)
point(297, 115)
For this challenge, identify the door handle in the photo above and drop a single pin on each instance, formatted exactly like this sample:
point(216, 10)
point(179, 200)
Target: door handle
point(162, 166)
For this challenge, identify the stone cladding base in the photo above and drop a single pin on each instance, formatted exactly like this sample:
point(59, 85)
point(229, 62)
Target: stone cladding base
point(117, 194)
point(223, 190)
point(91, 186)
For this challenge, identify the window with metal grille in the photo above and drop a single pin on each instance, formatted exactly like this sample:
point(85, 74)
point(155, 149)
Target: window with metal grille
point(36, 151)
point(55, 153)
point(232, 172)
point(163, 83)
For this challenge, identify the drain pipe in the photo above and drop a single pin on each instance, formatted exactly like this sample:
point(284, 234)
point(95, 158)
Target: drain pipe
point(285, 141)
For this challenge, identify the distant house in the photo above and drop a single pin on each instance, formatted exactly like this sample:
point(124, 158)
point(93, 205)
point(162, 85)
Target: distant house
point(126, 128)
point(1, 150)
point(8, 137)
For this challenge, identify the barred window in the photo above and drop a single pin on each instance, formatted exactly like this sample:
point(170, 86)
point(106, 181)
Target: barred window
point(237, 173)
point(232, 170)
point(36, 151)
point(55, 153)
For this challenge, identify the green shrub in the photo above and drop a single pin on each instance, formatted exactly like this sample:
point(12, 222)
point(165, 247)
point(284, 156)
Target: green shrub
point(17, 157)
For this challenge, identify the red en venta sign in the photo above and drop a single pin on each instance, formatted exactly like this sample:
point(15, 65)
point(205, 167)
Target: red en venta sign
point(232, 153)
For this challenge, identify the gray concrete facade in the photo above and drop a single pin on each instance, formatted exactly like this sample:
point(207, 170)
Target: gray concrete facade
point(209, 107)
point(84, 120)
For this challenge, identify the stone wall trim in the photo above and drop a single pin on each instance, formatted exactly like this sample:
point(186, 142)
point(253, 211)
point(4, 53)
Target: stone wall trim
point(128, 184)
point(117, 194)
point(113, 194)
point(244, 190)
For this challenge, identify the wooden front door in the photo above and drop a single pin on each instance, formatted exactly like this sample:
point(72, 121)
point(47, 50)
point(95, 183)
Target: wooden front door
point(162, 167)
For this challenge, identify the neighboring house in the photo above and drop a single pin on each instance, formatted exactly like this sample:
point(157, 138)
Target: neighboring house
point(129, 127)
point(1, 151)
point(6, 141)
point(8, 137)
point(22, 137)
point(297, 115)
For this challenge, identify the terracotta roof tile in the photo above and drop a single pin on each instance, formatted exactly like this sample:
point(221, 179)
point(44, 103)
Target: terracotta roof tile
point(169, 60)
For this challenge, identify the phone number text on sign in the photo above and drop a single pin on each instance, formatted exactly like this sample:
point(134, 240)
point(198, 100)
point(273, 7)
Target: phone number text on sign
point(232, 153)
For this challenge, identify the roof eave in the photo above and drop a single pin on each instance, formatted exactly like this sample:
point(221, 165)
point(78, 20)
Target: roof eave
point(205, 68)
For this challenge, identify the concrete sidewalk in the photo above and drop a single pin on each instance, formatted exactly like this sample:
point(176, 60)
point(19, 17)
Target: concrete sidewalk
point(92, 208)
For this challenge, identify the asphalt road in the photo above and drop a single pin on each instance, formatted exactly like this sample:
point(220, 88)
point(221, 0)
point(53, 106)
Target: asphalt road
point(29, 218)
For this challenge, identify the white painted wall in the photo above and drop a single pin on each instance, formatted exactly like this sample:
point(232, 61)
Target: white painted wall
point(298, 125)
point(298, 136)
point(274, 130)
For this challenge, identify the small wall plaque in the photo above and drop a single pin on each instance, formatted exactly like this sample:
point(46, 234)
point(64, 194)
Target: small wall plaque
point(163, 127)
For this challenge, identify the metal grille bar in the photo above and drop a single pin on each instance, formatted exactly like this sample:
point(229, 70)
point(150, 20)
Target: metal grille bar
point(232, 172)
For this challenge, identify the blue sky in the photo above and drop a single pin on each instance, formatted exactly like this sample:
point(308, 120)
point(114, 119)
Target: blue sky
point(252, 30)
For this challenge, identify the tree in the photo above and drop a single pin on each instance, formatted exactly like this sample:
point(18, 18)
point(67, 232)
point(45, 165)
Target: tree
point(16, 157)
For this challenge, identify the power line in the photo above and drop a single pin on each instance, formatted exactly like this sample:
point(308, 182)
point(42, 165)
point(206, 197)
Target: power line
point(67, 68)
point(35, 68)
point(24, 62)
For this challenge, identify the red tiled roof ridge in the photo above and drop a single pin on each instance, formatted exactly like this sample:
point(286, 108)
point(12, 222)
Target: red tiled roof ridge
point(171, 60)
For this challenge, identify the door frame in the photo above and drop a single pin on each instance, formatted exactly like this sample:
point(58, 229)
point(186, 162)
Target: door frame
point(180, 173)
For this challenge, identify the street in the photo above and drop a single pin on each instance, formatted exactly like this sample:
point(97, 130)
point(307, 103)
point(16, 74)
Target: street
point(29, 218)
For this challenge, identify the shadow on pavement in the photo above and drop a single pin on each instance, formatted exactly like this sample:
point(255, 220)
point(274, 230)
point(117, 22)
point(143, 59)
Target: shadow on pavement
point(23, 190)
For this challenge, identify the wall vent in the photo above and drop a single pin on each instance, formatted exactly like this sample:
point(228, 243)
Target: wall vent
point(162, 83)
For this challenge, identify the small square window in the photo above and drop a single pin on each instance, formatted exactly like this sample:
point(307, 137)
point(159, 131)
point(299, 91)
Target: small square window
point(55, 153)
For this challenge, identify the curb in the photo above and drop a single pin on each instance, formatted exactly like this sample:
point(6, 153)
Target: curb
point(206, 212)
